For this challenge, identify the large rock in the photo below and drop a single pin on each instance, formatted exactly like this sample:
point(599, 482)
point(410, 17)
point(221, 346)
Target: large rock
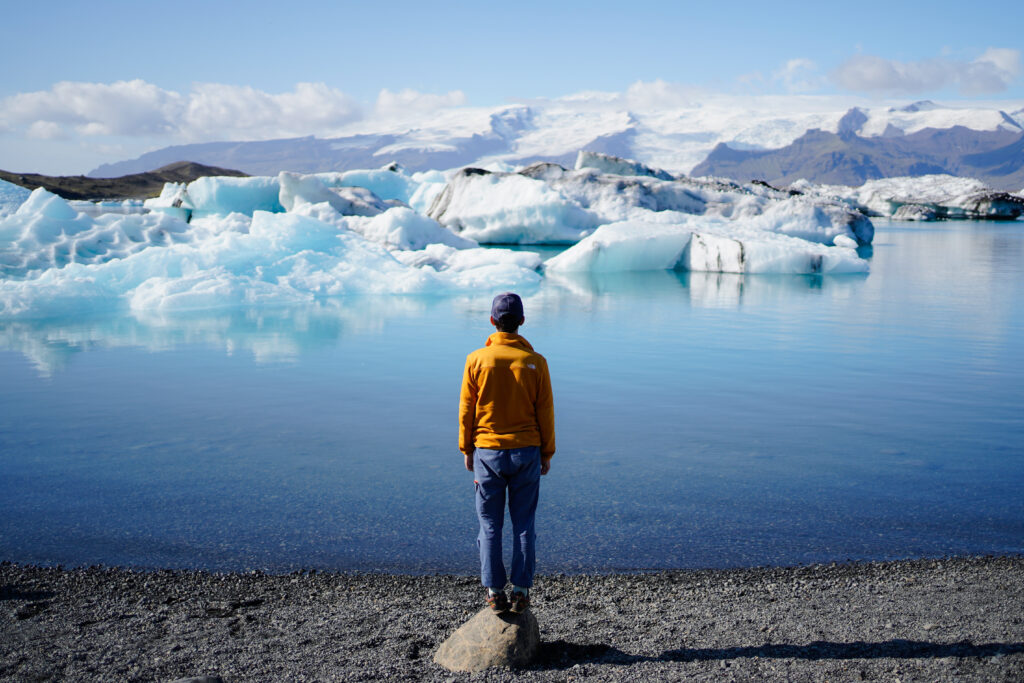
point(491, 639)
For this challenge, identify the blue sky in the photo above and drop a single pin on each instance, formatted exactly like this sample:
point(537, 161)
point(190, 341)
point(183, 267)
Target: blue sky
point(471, 53)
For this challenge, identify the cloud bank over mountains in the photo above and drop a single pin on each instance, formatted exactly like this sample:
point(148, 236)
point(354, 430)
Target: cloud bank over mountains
point(85, 120)
point(989, 74)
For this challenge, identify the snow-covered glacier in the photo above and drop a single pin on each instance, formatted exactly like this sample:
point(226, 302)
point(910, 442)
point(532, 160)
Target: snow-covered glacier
point(295, 238)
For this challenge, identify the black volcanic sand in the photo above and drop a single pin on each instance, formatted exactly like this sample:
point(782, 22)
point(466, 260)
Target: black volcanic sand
point(923, 620)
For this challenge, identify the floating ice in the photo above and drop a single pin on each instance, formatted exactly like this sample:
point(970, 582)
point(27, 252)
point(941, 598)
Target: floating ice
point(609, 164)
point(701, 244)
point(215, 262)
point(46, 232)
point(301, 238)
point(402, 228)
point(615, 198)
point(923, 198)
point(298, 189)
point(173, 200)
point(509, 208)
point(224, 195)
point(389, 182)
point(11, 197)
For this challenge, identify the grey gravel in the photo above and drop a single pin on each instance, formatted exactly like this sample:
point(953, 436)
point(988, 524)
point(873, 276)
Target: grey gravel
point(920, 620)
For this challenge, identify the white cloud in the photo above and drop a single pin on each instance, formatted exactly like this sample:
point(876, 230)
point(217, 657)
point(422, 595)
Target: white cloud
point(46, 130)
point(799, 76)
point(659, 94)
point(992, 72)
point(217, 112)
point(209, 112)
point(121, 108)
point(412, 101)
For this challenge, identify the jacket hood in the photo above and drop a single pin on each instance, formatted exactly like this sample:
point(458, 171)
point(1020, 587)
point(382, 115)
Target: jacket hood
point(508, 339)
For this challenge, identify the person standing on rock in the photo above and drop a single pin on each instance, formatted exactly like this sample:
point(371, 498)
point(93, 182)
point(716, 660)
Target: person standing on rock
point(507, 434)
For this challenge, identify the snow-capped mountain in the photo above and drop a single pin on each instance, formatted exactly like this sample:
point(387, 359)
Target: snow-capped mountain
point(677, 139)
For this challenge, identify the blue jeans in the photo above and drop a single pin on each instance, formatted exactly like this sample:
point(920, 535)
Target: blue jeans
point(516, 470)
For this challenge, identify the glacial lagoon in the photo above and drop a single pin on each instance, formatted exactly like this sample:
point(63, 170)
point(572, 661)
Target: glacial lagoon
point(704, 420)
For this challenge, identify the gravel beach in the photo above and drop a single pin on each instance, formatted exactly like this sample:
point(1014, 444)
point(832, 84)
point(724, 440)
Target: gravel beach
point(924, 620)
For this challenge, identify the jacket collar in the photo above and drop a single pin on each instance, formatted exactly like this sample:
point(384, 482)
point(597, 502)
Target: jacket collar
point(508, 339)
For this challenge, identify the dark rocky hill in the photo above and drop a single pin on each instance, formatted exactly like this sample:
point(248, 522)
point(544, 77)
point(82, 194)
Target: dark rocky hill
point(134, 186)
point(845, 158)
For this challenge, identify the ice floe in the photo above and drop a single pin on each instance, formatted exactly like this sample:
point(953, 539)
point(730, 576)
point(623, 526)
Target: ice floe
point(300, 238)
point(11, 197)
point(701, 244)
point(924, 198)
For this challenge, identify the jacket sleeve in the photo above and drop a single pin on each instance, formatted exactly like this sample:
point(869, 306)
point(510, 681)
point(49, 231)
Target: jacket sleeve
point(545, 408)
point(467, 410)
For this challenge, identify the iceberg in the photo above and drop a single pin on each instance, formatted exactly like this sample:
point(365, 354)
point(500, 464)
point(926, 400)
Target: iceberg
point(298, 189)
point(605, 163)
point(701, 244)
point(46, 232)
point(509, 208)
point(156, 262)
point(226, 194)
point(402, 228)
point(390, 182)
point(615, 198)
point(11, 197)
point(300, 239)
point(922, 198)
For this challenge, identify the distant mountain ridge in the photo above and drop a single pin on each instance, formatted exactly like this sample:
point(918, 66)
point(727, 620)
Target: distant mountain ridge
point(716, 137)
point(994, 157)
point(133, 186)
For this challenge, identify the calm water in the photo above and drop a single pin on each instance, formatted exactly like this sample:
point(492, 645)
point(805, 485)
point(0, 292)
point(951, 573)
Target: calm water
point(703, 421)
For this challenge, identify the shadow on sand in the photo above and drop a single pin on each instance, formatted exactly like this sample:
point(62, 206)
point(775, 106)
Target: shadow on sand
point(560, 654)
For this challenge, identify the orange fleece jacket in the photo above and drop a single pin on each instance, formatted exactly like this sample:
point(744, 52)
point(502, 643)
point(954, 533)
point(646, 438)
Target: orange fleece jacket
point(506, 399)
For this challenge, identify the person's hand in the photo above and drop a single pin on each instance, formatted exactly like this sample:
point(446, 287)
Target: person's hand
point(545, 465)
point(469, 462)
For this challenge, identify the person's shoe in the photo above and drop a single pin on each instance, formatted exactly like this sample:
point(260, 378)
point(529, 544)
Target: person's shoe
point(520, 602)
point(497, 601)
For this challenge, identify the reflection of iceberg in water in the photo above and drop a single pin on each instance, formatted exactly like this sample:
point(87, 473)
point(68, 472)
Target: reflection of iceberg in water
point(714, 290)
point(729, 290)
point(698, 289)
point(270, 334)
point(284, 333)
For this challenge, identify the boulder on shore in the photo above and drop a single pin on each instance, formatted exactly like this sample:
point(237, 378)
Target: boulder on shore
point(491, 639)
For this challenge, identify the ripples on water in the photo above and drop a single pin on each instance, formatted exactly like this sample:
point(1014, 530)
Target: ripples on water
point(704, 420)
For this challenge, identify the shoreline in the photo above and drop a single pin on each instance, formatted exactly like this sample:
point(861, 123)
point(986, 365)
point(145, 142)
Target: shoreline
point(931, 619)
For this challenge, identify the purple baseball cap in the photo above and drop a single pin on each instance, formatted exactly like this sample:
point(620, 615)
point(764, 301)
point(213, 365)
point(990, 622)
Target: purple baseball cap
point(507, 305)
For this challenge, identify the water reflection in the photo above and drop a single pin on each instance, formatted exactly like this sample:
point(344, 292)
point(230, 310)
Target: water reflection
point(282, 334)
point(704, 419)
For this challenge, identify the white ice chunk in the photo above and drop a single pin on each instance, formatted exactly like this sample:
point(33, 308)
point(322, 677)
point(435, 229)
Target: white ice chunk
point(11, 197)
point(624, 246)
point(499, 208)
point(701, 244)
point(386, 183)
point(173, 200)
point(45, 204)
point(299, 189)
point(477, 268)
point(923, 198)
point(429, 184)
point(224, 195)
point(154, 262)
point(403, 228)
point(610, 164)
